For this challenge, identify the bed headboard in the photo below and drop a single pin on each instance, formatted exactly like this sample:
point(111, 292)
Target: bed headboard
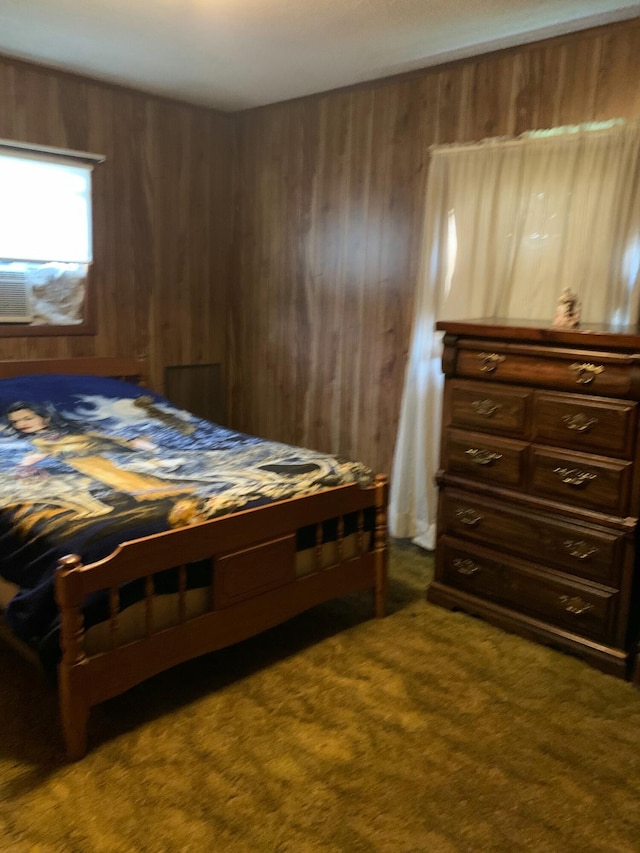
point(132, 370)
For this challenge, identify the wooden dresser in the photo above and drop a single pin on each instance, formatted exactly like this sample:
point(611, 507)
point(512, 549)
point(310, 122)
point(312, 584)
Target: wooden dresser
point(539, 484)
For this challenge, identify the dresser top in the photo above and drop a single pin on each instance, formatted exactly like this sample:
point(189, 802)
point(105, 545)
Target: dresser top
point(585, 335)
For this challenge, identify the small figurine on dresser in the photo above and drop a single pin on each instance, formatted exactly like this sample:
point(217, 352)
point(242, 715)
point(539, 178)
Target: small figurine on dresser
point(568, 311)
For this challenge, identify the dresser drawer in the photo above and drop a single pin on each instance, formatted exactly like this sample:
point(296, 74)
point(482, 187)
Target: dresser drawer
point(589, 481)
point(474, 405)
point(483, 457)
point(590, 552)
point(592, 424)
point(577, 371)
point(586, 610)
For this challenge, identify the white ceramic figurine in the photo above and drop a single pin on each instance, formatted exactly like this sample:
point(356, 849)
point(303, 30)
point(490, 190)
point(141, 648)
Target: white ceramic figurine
point(568, 311)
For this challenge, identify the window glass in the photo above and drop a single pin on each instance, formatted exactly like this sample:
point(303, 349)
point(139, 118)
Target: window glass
point(45, 236)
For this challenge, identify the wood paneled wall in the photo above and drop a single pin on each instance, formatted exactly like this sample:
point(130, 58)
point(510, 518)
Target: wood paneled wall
point(161, 214)
point(329, 217)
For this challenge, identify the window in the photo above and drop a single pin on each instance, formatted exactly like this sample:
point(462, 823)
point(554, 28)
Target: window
point(45, 238)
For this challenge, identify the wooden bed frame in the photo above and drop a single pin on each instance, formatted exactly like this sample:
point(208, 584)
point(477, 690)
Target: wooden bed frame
point(254, 587)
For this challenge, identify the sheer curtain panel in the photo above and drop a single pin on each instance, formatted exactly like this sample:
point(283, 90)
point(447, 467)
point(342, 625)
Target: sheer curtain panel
point(508, 224)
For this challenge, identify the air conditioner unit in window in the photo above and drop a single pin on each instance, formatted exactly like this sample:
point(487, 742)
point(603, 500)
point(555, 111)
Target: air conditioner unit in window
point(14, 298)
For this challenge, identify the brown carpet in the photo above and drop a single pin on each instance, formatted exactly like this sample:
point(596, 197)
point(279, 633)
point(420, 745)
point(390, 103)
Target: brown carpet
point(425, 731)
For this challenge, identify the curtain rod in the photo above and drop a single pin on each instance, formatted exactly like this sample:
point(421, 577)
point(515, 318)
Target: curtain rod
point(571, 131)
point(10, 145)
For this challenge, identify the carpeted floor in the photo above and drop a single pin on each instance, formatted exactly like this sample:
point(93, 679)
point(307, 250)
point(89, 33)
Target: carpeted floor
point(425, 732)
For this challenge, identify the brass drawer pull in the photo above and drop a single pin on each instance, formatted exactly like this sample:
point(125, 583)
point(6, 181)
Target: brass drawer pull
point(579, 422)
point(575, 604)
point(490, 361)
point(574, 477)
point(466, 567)
point(579, 549)
point(586, 373)
point(483, 457)
point(469, 517)
point(486, 408)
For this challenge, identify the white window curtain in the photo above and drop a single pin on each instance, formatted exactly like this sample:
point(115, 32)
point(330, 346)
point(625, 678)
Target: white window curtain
point(508, 225)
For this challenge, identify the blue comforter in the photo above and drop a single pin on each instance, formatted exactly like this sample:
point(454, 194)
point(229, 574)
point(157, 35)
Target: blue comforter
point(88, 462)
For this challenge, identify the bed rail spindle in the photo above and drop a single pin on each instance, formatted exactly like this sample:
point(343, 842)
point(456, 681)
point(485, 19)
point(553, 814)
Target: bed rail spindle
point(360, 532)
point(318, 548)
point(182, 590)
point(212, 587)
point(340, 538)
point(114, 612)
point(148, 604)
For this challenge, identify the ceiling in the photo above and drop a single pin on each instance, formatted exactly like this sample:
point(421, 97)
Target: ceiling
point(236, 54)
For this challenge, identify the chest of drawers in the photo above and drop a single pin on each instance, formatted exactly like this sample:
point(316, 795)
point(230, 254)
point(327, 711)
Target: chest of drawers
point(539, 484)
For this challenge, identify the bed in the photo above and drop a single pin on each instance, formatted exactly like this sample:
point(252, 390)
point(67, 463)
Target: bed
point(137, 536)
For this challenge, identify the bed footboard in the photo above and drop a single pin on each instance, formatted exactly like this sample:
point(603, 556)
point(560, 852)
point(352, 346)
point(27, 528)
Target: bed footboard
point(254, 585)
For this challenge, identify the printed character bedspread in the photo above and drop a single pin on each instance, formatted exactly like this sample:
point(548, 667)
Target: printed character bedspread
point(88, 462)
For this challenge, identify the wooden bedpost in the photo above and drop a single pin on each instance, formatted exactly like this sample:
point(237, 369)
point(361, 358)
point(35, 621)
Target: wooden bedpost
point(72, 695)
point(381, 544)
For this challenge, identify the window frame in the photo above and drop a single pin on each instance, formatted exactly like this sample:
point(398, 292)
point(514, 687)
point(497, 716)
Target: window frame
point(88, 324)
